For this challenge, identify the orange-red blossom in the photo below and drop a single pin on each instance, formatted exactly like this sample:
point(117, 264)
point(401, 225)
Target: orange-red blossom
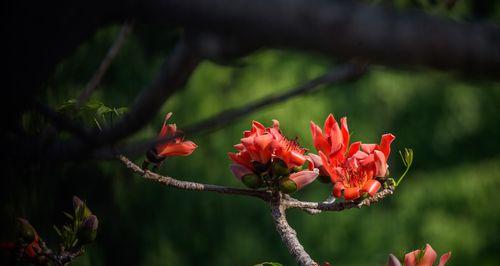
point(266, 151)
point(352, 168)
point(176, 146)
point(425, 257)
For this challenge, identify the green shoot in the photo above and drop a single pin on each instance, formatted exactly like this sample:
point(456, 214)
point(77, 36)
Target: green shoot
point(407, 158)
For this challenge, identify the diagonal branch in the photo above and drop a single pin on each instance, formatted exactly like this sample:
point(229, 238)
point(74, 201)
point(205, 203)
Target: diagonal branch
point(347, 72)
point(288, 234)
point(344, 73)
point(106, 62)
point(187, 185)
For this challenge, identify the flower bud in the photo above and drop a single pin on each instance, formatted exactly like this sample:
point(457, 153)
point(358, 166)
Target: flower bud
point(88, 230)
point(26, 231)
point(239, 171)
point(252, 181)
point(287, 185)
point(90, 222)
point(393, 261)
point(77, 202)
point(304, 178)
point(279, 167)
point(81, 209)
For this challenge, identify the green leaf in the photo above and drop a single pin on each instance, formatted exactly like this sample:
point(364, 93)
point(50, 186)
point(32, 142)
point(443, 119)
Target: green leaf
point(57, 231)
point(121, 110)
point(93, 104)
point(102, 110)
point(68, 215)
point(269, 264)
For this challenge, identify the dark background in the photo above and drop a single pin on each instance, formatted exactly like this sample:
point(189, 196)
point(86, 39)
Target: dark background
point(450, 120)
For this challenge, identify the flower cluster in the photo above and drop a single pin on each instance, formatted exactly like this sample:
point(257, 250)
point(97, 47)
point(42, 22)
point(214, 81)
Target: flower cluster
point(29, 246)
point(266, 158)
point(420, 257)
point(354, 169)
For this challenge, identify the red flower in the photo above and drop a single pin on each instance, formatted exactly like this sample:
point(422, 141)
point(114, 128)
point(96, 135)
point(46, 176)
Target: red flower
point(175, 147)
point(29, 238)
point(414, 258)
point(261, 145)
point(353, 168)
point(266, 152)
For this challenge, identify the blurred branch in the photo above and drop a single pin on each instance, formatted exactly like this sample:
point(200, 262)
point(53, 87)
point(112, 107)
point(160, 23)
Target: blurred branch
point(288, 234)
point(344, 29)
point(318, 207)
point(60, 121)
point(106, 62)
point(347, 72)
point(173, 75)
point(186, 185)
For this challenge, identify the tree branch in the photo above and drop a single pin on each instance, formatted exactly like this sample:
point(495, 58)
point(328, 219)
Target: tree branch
point(318, 207)
point(288, 234)
point(187, 185)
point(342, 29)
point(173, 75)
point(343, 73)
point(106, 62)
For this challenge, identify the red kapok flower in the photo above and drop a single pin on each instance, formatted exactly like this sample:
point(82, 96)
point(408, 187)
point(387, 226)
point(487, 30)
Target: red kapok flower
point(415, 258)
point(352, 169)
point(266, 152)
point(175, 147)
point(261, 145)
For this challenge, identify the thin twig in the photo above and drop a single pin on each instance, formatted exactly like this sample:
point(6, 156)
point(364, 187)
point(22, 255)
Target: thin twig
point(106, 62)
point(187, 185)
point(288, 234)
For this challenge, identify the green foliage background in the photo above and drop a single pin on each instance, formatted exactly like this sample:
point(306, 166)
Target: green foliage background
point(449, 200)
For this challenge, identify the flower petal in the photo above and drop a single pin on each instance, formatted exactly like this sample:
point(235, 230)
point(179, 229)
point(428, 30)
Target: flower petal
point(337, 189)
point(444, 258)
point(304, 178)
point(184, 148)
point(345, 133)
point(320, 143)
point(371, 187)
point(368, 148)
point(332, 130)
point(354, 148)
point(163, 130)
point(380, 164)
point(351, 193)
point(429, 256)
point(329, 168)
point(297, 159)
point(385, 144)
point(411, 258)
